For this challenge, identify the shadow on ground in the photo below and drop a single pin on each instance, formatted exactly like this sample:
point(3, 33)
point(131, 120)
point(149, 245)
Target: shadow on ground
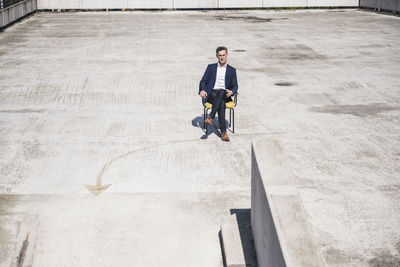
point(198, 122)
point(246, 237)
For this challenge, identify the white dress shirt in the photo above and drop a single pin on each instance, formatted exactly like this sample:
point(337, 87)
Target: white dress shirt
point(220, 79)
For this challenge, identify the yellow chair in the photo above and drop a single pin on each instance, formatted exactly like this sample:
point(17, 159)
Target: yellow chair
point(229, 105)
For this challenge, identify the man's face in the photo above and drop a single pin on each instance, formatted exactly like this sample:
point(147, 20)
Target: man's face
point(222, 56)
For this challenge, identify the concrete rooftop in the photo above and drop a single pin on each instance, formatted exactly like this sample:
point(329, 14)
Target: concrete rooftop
point(110, 99)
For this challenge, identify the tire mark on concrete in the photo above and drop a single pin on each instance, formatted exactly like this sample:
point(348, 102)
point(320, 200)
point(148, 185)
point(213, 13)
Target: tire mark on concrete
point(27, 98)
point(84, 90)
point(22, 251)
point(24, 110)
point(71, 97)
point(28, 230)
point(99, 187)
point(107, 165)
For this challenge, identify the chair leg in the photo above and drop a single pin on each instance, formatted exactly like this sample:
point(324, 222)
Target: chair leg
point(204, 117)
point(230, 117)
point(233, 121)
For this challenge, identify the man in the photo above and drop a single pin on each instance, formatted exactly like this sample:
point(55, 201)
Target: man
point(218, 84)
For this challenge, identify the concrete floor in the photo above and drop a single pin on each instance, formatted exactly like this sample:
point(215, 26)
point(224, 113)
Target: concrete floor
point(106, 104)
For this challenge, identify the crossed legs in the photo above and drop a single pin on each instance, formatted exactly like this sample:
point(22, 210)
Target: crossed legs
point(217, 99)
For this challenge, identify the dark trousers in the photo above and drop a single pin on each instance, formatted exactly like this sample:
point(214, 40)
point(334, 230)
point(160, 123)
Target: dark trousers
point(218, 99)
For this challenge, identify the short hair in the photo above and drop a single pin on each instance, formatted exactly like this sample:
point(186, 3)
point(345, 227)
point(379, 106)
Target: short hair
point(220, 48)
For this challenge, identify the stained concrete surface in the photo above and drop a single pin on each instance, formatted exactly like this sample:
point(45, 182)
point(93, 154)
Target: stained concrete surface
point(94, 99)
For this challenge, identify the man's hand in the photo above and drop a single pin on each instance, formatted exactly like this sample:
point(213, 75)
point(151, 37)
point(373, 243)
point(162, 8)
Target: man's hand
point(203, 94)
point(228, 93)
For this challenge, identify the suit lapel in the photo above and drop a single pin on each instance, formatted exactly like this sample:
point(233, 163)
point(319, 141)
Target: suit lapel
point(227, 75)
point(214, 75)
point(215, 70)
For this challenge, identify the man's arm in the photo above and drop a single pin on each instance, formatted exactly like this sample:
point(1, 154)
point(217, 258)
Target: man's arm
point(203, 81)
point(235, 86)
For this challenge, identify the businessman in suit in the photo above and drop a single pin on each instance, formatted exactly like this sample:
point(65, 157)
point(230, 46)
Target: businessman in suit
point(218, 84)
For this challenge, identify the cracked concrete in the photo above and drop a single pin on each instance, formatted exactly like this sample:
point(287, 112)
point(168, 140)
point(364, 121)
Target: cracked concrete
point(86, 92)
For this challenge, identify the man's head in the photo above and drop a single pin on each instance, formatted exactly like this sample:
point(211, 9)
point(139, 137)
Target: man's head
point(222, 54)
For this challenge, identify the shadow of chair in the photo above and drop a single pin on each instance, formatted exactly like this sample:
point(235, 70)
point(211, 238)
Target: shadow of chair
point(198, 122)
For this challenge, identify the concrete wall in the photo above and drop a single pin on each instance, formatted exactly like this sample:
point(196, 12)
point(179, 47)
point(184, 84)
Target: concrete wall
point(17, 11)
point(171, 4)
point(390, 5)
point(281, 233)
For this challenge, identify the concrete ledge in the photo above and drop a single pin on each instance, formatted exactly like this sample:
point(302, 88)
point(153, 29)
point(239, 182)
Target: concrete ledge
point(188, 4)
point(237, 240)
point(14, 13)
point(231, 243)
point(281, 233)
point(387, 5)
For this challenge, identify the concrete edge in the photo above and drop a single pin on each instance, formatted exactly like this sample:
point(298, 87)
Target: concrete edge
point(16, 12)
point(231, 243)
point(181, 5)
point(193, 9)
point(388, 6)
point(282, 234)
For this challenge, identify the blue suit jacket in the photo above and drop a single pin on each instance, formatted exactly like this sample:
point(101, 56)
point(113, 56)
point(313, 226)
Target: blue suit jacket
point(208, 81)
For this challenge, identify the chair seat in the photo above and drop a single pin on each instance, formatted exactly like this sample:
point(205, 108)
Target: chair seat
point(229, 104)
